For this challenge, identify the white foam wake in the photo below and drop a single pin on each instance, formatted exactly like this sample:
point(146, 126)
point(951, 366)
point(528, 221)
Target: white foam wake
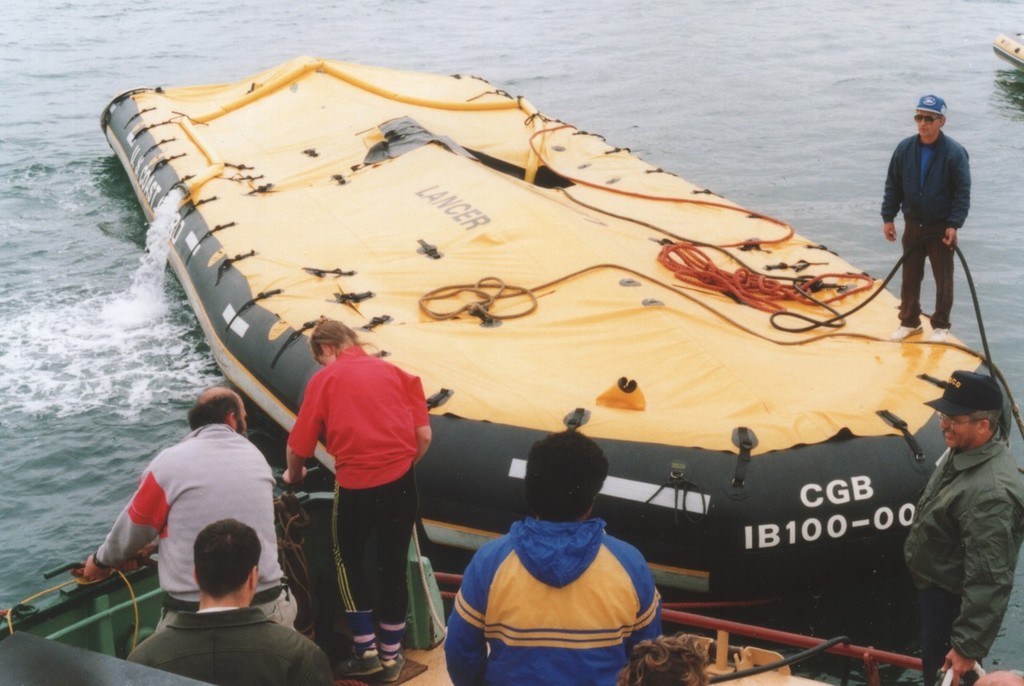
point(121, 349)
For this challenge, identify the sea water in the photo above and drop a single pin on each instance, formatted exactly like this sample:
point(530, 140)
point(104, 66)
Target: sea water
point(789, 108)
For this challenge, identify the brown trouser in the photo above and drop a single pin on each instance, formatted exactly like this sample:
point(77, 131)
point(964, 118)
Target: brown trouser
point(940, 256)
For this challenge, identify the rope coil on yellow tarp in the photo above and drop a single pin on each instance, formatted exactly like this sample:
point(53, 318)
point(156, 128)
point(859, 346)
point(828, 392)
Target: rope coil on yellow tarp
point(487, 290)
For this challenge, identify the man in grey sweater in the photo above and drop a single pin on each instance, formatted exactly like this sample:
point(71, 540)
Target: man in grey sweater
point(212, 474)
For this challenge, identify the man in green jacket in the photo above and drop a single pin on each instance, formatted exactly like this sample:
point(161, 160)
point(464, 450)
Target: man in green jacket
point(228, 642)
point(962, 547)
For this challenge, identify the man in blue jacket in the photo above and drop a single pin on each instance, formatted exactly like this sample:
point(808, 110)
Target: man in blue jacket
point(929, 179)
point(556, 600)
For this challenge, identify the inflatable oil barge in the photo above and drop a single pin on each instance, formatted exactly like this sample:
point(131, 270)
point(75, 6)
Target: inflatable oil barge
point(763, 433)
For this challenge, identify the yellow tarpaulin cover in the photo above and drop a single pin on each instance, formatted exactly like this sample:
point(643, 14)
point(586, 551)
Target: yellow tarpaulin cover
point(589, 303)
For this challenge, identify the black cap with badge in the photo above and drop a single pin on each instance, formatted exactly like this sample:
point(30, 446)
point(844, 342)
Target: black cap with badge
point(967, 392)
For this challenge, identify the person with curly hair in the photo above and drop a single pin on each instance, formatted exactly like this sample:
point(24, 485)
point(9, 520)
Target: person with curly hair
point(679, 660)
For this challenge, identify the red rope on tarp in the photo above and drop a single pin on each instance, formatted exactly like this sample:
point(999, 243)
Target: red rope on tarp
point(691, 265)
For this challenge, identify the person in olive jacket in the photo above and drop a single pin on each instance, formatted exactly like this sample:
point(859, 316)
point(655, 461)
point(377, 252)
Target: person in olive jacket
point(228, 642)
point(963, 544)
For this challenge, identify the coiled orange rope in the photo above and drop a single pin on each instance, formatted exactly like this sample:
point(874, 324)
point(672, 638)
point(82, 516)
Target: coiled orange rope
point(689, 264)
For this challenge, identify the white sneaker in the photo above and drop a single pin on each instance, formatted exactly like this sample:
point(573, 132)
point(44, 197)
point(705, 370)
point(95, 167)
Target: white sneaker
point(903, 332)
point(938, 335)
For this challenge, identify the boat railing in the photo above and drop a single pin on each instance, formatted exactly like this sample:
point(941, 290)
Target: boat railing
point(871, 657)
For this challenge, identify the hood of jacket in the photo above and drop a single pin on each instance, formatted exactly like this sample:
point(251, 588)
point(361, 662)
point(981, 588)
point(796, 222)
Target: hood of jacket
point(557, 553)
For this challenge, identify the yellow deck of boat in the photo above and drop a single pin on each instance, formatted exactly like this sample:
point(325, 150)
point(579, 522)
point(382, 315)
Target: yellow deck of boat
point(283, 152)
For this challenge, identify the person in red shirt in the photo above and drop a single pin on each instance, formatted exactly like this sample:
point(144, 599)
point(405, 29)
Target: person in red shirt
point(373, 419)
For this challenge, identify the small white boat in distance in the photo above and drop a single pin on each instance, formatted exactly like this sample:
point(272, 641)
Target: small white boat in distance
point(1010, 49)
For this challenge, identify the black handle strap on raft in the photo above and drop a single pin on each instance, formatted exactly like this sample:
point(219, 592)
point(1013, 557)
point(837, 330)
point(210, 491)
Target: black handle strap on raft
point(259, 296)
point(375, 322)
point(346, 298)
point(677, 481)
point(576, 418)
point(321, 273)
point(814, 285)
point(626, 385)
point(157, 145)
point(219, 227)
point(265, 188)
point(133, 117)
point(165, 160)
point(900, 425)
point(744, 439)
point(429, 250)
point(228, 261)
point(941, 383)
point(150, 127)
point(193, 205)
point(439, 398)
point(292, 337)
point(796, 266)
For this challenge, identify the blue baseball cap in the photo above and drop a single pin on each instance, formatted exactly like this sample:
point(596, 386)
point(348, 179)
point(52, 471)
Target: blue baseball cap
point(932, 103)
point(967, 392)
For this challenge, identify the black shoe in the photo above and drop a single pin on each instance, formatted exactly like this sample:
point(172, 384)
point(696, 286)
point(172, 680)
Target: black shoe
point(360, 665)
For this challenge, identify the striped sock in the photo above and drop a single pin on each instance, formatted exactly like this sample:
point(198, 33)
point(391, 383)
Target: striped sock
point(361, 623)
point(391, 640)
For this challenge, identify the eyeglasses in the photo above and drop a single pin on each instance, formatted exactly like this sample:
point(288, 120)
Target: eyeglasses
point(925, 118)
point(946, 419)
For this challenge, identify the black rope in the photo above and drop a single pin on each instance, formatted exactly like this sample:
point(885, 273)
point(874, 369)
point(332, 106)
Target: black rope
point(785, 662)
point(994, 371)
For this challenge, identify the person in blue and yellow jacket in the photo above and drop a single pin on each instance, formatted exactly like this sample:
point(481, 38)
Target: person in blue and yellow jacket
point(556, 600)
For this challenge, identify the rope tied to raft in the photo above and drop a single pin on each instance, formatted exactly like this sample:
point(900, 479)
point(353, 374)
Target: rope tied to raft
point(691, 265)
point(486, 292)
